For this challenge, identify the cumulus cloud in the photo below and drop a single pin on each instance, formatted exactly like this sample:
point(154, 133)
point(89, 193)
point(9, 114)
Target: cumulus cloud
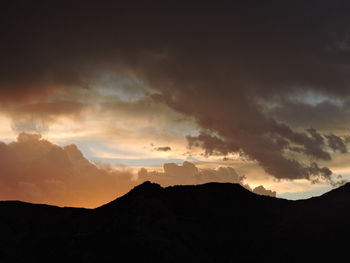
point(188, 173)
point(224, 65)
point(260, 190)
point(36, 170)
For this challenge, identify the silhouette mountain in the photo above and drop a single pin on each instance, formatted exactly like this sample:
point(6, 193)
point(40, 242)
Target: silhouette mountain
point(213, 222)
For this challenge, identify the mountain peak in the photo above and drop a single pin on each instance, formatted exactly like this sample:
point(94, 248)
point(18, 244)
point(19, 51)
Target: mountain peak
point(146, 188)
point(182, 195)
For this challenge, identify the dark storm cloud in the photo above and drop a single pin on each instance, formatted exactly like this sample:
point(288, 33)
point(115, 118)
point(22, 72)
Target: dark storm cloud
point(223, 63)
point(301, 114)
point(336, 143)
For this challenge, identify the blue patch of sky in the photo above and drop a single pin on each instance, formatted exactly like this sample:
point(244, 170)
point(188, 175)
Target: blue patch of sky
point(128, 88)
point(313, 98)
point(306, 194)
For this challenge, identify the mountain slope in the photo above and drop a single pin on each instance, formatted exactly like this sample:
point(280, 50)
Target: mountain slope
point(214, 222)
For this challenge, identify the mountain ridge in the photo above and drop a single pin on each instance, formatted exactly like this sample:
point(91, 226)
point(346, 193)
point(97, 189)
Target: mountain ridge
point(213, 222)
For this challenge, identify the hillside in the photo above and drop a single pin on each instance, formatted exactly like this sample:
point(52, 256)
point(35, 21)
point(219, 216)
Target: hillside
point(214, 222)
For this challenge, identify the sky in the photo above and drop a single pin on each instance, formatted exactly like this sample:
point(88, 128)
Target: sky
point(98, 96)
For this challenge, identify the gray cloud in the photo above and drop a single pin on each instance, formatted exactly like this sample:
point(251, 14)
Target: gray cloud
point(336, 143)
point(37, 116)
point(163, 149)
point(325, 115)
point(261, 190)
point(224, 65)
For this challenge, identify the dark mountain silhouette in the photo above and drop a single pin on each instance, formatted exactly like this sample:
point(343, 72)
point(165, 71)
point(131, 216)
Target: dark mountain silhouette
point(214, 222)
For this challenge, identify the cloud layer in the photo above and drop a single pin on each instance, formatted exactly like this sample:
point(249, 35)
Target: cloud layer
point(237, 68)
point(36, 170)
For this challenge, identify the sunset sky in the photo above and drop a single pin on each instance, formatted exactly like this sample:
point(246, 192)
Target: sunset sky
point(98, 96)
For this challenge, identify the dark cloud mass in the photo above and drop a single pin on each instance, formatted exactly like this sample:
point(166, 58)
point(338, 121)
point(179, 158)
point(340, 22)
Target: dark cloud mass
point(227, 64)
point(301, 114)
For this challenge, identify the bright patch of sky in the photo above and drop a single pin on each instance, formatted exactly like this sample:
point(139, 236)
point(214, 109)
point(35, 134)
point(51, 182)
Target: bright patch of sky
point(6, 133)
point(305, 194)
point(313, 98)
